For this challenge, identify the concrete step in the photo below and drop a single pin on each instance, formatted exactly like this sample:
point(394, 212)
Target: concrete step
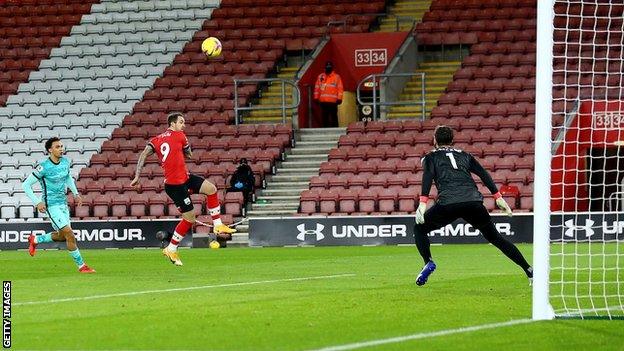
point(416, 89)
point(290, 178)
point(266, 120)
point(320, 157)
point(302, 150)
point(263, 213)
point(270, 213)
point(297, 170)
point(278, 199)
point(315, 144)
point(286, 184)
point(281, 192)
point(341, 130)
point(278, 205)
point(319, 137)
point(240, 239)
point(275, 93)
point(300, 164)
point(241, 228)
point(271, 113)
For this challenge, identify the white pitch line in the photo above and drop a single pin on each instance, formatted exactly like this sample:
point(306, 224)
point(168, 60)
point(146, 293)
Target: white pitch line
point(133, 293)
point(359, 345)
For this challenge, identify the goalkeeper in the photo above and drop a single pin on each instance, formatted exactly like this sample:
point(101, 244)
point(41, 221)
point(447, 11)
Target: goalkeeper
point(457, 197)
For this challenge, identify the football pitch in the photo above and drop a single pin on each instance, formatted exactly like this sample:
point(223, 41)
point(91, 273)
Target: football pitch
point(331, 298)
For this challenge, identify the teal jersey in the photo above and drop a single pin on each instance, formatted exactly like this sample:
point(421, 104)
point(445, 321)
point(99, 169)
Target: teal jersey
point(53, 180)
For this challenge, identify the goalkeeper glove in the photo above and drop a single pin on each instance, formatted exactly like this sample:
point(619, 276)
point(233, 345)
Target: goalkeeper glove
point(502, 204)
point(420, 212)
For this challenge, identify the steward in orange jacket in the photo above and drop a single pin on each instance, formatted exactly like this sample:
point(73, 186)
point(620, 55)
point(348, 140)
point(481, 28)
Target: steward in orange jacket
point(328, 92)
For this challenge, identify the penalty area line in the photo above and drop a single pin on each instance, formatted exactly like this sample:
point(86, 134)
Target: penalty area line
point(134, 293)
point(359, 345)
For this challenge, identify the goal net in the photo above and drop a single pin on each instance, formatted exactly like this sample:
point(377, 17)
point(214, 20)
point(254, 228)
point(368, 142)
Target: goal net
point(579, 228)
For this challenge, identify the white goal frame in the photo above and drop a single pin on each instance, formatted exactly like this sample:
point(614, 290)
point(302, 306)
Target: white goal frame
point(543, 299)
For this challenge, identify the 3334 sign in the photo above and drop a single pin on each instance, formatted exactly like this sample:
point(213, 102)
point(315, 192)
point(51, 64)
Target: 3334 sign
point(371, 57)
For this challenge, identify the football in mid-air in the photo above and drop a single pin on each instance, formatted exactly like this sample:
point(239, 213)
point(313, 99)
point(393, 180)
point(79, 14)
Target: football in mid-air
point(211, 46)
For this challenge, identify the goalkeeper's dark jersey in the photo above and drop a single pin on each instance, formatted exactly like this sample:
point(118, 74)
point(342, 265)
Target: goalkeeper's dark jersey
point(450, 169)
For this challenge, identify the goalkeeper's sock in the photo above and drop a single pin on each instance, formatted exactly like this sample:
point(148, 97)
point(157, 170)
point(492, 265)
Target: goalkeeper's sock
point(214, 208)
point(75, 255)
point(180, 231)
point(510, 250)
point(43, 238)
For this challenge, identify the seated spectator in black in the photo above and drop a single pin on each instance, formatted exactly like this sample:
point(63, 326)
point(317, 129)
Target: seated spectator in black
point(243, 180)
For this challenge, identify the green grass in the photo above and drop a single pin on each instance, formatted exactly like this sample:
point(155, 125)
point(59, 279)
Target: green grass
point(474, 285)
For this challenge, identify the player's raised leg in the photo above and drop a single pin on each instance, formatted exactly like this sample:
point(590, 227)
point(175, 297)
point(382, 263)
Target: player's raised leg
point(214, 208)
point(33, 240)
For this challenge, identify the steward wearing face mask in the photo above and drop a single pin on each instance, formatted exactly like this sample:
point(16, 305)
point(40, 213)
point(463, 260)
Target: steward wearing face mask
point(328, 92)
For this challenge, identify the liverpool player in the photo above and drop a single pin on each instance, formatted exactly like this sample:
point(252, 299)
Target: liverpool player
point(171, 147)
point(54, 177)
point(458, 197)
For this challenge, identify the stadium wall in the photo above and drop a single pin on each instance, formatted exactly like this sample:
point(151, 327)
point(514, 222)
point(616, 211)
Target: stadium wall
point(325, 231)
point(92, 234)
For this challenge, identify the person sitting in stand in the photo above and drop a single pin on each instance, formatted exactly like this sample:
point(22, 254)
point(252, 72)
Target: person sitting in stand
point(243, 180)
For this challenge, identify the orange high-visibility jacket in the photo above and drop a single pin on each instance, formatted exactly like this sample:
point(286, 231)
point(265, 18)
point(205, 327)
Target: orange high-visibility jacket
point(328, 88)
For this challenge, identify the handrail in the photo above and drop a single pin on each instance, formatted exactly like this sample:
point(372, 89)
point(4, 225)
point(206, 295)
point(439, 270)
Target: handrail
point(400, 19)
point(296, 96)
point(374, 77)
point(618, 195)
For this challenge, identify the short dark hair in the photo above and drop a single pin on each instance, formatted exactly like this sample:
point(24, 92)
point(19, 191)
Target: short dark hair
point(443, 135)
point(49, 142)
point(173, 117)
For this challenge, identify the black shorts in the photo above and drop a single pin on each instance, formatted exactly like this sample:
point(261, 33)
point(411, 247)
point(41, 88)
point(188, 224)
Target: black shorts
point(472, 212)
point(181, 193)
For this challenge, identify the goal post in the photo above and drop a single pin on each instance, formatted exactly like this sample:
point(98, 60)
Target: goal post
point(578, 249)
point(543, 145)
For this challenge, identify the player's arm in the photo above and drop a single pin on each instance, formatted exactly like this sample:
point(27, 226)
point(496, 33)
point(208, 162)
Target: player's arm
point(27, 186)
point(186, 146)
point(71, 184)
point(187, 151)
point(148, 151)
point(427, 181)
point(476, 168)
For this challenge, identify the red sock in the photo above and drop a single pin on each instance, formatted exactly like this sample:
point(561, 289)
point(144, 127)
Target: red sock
point(214, 208)
point(180, 231)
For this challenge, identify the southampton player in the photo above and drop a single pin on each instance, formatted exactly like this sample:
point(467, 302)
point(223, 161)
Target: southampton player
point(53, 175)
point(171, 147)
point(458, 197)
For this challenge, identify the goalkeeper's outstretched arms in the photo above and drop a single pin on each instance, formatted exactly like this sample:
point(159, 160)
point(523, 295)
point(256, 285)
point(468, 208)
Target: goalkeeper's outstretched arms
point(476, 168)
point(427, 181)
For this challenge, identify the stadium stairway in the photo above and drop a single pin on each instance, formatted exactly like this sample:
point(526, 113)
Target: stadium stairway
point(437, 76)
point(89, 83)
point(281, 195)
point(272, 96)
point(402, 9)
